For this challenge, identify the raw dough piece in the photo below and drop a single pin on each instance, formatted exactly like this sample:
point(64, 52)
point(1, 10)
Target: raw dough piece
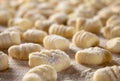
point(41, 73)
point(62, 30)
point(34, 35)
point(56, 58)
point(93, 56)
point(113, 45)
point(84, 39)
point(56, 42)
point(107, 74)
point(22, 51)
point(3, 61)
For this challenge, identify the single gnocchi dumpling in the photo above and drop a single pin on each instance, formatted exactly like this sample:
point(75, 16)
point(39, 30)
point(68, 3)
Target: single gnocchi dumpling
point(22, 23)
point(41, 73)
point(93, 56)
point(84, 39)
point(22, 51)
point(8, 39)
point(113, 45)
point(107, 74)
point(83, 9)
point(59, 18)
point(65, 31)
point(104, 14)
point(98, 4)
point(112, 27)
point(43, 25)
point(34, 15)
point(34, 35)
point(14, 29)
point(56, 58)
point(3, 61)
point(64, 6)
point(4, 17)
point(92, 25)
point(56, 42)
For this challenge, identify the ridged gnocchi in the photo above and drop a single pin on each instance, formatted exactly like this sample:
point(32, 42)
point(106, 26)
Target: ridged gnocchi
point(56, 42)
point(8, 39)
point(112, 27)
point(22, 23)
point(3, 61)
point(62, 30)
point(92, 25)
point(34, 35)
point(113, 45)
point(41, 73)
point(107, 74)
point(84, 39)
point(22, 51)
point(93, 56)
point(59, 18)
point(56, 58)
point(43, 25)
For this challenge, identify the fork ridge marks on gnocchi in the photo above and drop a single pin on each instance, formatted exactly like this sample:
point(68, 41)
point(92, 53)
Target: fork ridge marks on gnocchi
point(22, 23)
point(56, 58)
point(41, 73)
point(34, 35)
point(93, 56)
point(8, 39)
point(22, 51)
point(3, 61)
point(62, 30)
point(107, 74)
point(112, 27)
point(92, 25)
point(84, 39)
point(56, 42)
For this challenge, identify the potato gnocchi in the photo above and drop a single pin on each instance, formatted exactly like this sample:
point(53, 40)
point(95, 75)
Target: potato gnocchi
point(8, 39)
point(56, 42)
point(112, 27)
point(113, 45)
point(3, 61)
point(22, 51)
point(41, 73)
point(62, 30)
point(92, 25)
point(107, 74)
point(34, 35)
point(56, 58)
point(84, 39)
point(93, 56)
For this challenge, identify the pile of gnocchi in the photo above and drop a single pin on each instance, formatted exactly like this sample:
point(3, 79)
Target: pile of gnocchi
point(41, 31)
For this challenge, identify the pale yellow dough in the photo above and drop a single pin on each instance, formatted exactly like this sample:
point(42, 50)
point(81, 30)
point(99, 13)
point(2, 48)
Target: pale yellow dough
point(8, 39)
point(43, 25)
point(34, 35)
point(22, 23)
point(113, 45)
point(56, 42)
point(93, 56)
point(91, 25)
point(3, 61)
point(84, 39)
point(65, 31)
point(112, 28)
point(56, 58)
point(107, 74)
point(59, 18)
point(41, 73)
point(22, 51)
